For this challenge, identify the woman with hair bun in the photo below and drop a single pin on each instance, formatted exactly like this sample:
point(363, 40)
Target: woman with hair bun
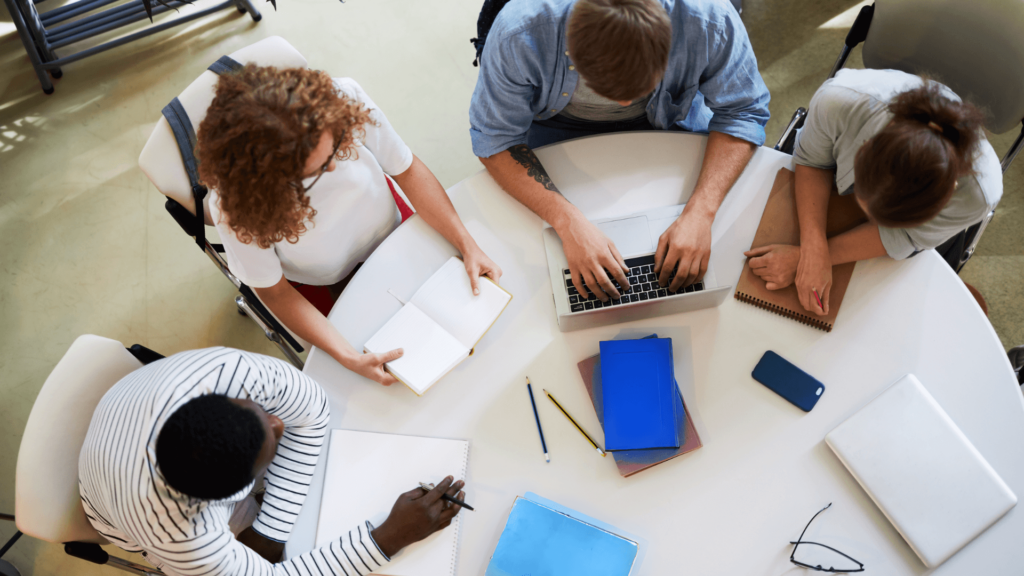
point(298, 166)
point(913, 155)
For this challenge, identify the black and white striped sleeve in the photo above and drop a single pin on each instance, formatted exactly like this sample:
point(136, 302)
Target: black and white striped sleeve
point(303, 406)
point(220, 554)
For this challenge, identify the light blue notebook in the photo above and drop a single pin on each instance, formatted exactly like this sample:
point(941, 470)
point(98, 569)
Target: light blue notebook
point(541, 541)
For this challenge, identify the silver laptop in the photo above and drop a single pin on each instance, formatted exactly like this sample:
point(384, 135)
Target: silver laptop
point(636, 237)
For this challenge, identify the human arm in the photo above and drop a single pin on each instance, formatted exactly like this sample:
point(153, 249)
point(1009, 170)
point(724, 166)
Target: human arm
point(814, 269)
point(364, 549)
point(810, 266)
point(778, 264)
point(433, 205)
point(685, 248)
point(738, 99)
point(588, 251)
point(302, 318)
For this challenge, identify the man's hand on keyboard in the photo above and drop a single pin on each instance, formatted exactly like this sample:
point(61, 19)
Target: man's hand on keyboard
point(684, 249)
point(590, 254)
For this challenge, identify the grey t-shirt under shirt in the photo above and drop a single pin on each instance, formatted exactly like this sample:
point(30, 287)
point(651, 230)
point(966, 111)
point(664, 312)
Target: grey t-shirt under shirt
point(851, 108)
point(590, 106)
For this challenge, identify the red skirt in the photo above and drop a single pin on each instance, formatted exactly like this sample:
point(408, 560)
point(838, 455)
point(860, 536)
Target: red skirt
point(320, 296)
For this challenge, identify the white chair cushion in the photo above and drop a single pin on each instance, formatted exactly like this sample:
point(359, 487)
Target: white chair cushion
point(160, 159)
point(47, 504)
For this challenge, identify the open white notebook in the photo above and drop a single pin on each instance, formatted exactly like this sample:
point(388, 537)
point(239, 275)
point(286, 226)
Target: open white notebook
point(367, 471)
point(439, 326)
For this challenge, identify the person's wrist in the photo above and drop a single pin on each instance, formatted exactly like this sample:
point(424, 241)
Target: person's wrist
point(564, 218)
point(699, 209)
point(388, 542)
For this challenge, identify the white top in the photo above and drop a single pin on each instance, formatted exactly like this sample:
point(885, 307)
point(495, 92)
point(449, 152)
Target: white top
point(920, 469)
point(127, 500)
point(851, 108)
point(355, 211)
point(764, 469)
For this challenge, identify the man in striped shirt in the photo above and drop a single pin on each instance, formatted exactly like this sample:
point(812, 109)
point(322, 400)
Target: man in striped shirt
point(175, 448)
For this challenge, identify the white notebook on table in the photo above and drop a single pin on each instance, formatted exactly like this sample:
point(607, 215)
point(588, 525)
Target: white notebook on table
point(367, 471)
point(932, 484)
point(439, 326)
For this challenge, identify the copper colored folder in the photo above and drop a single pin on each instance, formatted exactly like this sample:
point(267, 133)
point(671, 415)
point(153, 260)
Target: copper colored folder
point(779, 225)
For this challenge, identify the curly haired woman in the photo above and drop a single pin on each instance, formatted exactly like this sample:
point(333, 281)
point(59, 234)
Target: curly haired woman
point(296, 166)
point(913, 155)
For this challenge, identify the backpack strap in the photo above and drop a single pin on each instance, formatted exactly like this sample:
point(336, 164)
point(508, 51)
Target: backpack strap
point(488, 13)
point(185, 137)
point(225, 64)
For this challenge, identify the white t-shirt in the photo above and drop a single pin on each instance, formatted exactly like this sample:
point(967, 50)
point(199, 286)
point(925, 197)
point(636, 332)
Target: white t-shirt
point(354, 213)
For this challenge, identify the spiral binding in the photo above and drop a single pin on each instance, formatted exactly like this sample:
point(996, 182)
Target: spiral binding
point(457, 522)
point(812, 322)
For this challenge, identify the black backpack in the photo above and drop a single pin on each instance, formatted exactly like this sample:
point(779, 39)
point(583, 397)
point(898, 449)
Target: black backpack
point(488, 13)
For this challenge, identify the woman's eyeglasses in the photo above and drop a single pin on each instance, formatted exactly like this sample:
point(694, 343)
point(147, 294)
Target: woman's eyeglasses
point(801, 542)
point(321, 171)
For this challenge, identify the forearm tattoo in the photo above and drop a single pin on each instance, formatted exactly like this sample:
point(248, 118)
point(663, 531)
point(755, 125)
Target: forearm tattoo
point(522, 154)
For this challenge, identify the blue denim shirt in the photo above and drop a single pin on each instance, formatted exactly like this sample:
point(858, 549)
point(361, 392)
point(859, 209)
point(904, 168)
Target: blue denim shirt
point(711, 83)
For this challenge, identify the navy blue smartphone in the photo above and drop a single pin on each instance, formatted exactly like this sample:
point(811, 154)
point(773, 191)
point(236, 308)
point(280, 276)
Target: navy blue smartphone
point(788, 381)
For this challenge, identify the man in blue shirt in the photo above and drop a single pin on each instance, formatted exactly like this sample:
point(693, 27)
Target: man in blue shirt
point(557, 69)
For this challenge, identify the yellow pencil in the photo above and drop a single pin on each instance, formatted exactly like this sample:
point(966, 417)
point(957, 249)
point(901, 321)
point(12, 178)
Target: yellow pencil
point(578, 427)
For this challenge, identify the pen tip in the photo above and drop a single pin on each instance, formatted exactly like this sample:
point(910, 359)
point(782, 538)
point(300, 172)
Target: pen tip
point(547, 458)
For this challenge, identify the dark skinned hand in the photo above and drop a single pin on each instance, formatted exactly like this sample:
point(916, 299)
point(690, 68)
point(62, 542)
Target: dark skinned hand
point(418, 514)
point(268, 549)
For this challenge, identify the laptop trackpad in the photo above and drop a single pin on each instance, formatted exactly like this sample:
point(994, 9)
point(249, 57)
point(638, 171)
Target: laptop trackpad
point(631, 236)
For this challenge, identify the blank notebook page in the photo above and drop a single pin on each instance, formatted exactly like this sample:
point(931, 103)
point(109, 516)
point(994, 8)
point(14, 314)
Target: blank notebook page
point(367, 471)
point(429, 351)
point(448, 298)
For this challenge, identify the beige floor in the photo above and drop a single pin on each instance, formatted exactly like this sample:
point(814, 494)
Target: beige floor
point(86, 246)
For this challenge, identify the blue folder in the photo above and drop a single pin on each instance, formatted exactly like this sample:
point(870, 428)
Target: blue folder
point(640, 407)
point(541, 541)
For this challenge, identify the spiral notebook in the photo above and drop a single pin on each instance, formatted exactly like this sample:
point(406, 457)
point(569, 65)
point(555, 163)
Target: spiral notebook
point(367, 471)
point(779, 225)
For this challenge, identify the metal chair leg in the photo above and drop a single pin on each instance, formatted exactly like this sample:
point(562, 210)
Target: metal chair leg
point(270, 333)
point(30, 47)
point(247, 6)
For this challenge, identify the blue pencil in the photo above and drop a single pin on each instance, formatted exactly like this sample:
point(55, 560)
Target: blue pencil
point(537, 417)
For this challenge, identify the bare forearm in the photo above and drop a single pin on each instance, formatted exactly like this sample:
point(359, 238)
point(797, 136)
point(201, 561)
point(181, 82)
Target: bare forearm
point(302, 318)
point(433, 205)
point(519, 172)
point(861, 243)
point(724, 160)
point(813, 187)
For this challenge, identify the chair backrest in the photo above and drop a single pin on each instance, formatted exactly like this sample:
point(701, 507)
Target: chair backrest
point(160, 159)
point(976, 47)
point(47, 505)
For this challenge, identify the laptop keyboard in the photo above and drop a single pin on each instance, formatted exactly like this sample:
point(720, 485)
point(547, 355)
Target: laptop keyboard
point(643, 286)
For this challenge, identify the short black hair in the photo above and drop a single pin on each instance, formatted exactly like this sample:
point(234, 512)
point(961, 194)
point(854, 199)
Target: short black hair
point(208, 447)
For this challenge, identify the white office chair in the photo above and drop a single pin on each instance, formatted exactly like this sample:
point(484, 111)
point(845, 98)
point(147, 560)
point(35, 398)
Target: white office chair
point(161, 161)
point(47, 504)
point(976, 48)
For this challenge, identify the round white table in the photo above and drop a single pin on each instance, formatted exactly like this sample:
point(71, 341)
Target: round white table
point(732, 506)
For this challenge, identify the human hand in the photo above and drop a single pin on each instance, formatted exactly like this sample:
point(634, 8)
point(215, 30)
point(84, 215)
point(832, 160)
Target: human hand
point(592, 256)
point(268, 549)
point(418, 514)
point(814, 272)
point(684, 249)
point(371, 366)
point(775, 264)
point(477, 265)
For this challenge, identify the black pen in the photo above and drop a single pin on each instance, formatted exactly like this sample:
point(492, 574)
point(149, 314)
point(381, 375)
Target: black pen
point(429, 487)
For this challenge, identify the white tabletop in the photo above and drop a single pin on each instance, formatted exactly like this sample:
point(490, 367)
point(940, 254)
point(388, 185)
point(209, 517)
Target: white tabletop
point(732, 506)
